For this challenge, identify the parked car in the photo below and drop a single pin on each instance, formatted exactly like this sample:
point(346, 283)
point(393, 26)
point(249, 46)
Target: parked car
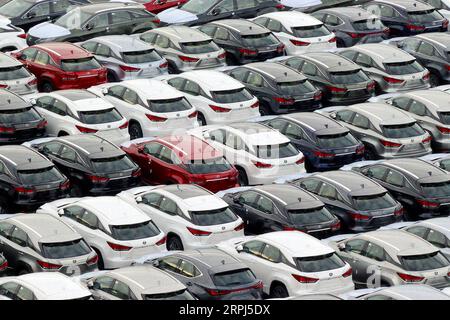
point(352, 25)
point(156, 6)
point(391, 68)
point(184, 160)
point(299, 32)
point(259, 153)
point(59, 66)
point(190, 216)
point(15, 77)
point(126, 57)
point(185, 48)
point(3, 266)
point(341, 81)
point(217, 97)
point(11, 37)
point(244, 41)
point(402, 292)
point(40, 242)
point(277, 207)
point(289, 269)
point(118, 232)
point(94, 165)
point(279, 89)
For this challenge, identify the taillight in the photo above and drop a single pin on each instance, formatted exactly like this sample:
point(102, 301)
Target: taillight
point(288, 228)
point(399, 212)
point(324, 155)
point(336, 226)
point(188, 59)
point(359, 217)
point(193, 115)
point(261, 165)
point(97, 179)
point(318, 96)
point(427, 204)
point(4, 265)
point(390, 144)
point(124, 126)
point(300, 161)
point(118, 247)
point(92, 260)
point(32, 82)
point(445, 23)
point(444, 130)
point(427, 139)
point(136, 173)
point(336, 89)
point(153, 118)
point(332, 40)
point(219, 109)
point(3, 86)
point(284, 101)
point(371, 86)
point(156, 20)
point(360, 150)
point(4, 129)
point(24, 35)
point(164, 65)
point(347, 273)
point(240, 227)
point(354, 35)
point(216, 292)
point(222, 55)
point(426, 77)
point(162, 241)
point(65, 185)
point(279, 6)
point(198, 233)
point(24, 190)
point(129, 69)
point(303, 279)
point(409, 278)
point(42, 124)
point(299, 43)
point(255, 105)
point(247, 52)
point(85, 130)
point(393, 80)
point(48, 265)
point(414, 27)
point(386, 31)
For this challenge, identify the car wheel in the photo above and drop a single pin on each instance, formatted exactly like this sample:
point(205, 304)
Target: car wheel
point(434, 80)
point(76, 191)
point(242, 177)
point(3, 207)
point(308, 166)
point(201, 119)
point(369, 154)
point(47, 86)
point(135, 131)
point(174, 243)
point(231, 60)
point(172, 68)
point(111, 76)
point(23, 269)
point(278, 291)
point(100, 263)
point(264, 109)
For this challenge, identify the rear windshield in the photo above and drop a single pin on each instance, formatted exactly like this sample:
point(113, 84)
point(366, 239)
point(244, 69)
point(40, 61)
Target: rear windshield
point(324, 262)
point(40, 176)
point(213, 217)
point(136, 231)
point(295, 88)
point(310, 216)
point(67, 249)
point(199, 47)
point(259, 40)
point(208, 165)
point(176, 295)
point(169, 105)
point(100, 116)
point(332, 141)
point(111, 165)
point(276, 151)
point(425, 16)
point(133, 57)
point(80, 64)
point(368, 25)
point(400, 131)
point(374, 202)
point(351, 76)
point(402, 68)
point(233, 278)
point(232, 96)
point(19, 116)
point(12, 73)
point(444, 116)
point(318, 30)
point(436, 190)
point(423, 262)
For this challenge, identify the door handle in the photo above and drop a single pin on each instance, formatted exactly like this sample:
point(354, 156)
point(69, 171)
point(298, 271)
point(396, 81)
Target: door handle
point(107, 29)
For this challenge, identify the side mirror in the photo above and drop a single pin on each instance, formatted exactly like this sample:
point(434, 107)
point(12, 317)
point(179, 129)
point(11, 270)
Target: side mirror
point(33, 101)
point(155, 263)
point(89, 26)
point(139, 199)
point(333, 115)
point(341, 246)
point(216, 11)
point(207, 136)
point(240, 248)
point(140, 149)
point(90, 284)
point(61, 212)
point(105, 90)
point(31, 14)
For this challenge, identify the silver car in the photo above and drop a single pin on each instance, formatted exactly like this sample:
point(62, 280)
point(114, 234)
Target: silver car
point(15, 77)
point(385, 131)
point(391, 68)
point(185, 48)
point(126, 57)
point(393, 257)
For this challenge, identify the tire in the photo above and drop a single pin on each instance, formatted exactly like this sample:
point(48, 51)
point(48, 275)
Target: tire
point(76, 191)
point(434, 80)
point(100, 263)
point(62, 134)
point(340, 43)
point(201, 119)
point(24, 269)
point(308, 166)
point(47, 86)
point(135, 131)
point(242, 177)
point(369, 154)
point(278, 290)
point(111, 76)
point(174, 243)
point(264, 110)
point(231, 60)
point(3, 207)
point(172, 69)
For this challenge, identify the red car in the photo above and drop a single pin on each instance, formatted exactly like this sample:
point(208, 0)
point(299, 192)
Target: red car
point(182, 160)
point(156, 6)
point(62, 65)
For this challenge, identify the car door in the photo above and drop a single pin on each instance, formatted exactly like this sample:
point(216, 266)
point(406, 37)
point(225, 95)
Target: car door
point(102, 288)
point(265, 215)
point(55, 112)
point(224, 9)
point(121, 22)
point(295, 133)
point(147, 160)
point(9, 289)
point(20, 248)
point(85, 222)
point(329, 195)
point(69, 162)
point(251, 253)
point(389, 16)
point(244, 206)
point(247, 8)
point(98, 25)
point(398, 186)
point(353, 253)
point(163, 166)
point(310, 70)
point(38, 65)
point(167, 214)
point(38, 13)
point(372, 265)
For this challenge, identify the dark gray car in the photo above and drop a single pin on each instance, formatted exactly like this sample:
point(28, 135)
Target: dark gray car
point(3, 265)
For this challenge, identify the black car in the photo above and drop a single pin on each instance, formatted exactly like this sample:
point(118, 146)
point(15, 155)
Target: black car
point(28, 13)
point(28, 180)
point(341, 80)
point(422, 188)
point(278, 88)
point(325, 4)
point(3, 265)
point(90, 21)
point(325, 143)
point(212, 274)
point(19, 121)
point(360, 203)
point(94, 165)
point(279, 207)
point(407, 17)
point(431, 50)
point(244, 41)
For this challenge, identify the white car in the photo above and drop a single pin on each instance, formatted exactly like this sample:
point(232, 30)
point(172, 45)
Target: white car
point(217, 97)
point(192, 217)
point(11, 37)
point(117, 231)
point(71, 112)
point(43, 286)
point(292, 263)
point(298, 31)
point(259, 153)
point(15, 77)
point(152, 108)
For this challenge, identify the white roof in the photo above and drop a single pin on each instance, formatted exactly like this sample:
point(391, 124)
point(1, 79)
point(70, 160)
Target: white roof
point(212, 80)
point(203, 203)
point(152, 89)
point(266, 138)
point(293, 18)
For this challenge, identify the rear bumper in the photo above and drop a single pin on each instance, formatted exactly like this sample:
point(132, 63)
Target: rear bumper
point(339, 290)
point(406, 155)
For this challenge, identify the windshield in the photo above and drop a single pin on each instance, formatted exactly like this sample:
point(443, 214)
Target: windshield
point(67, 249)
point(169, 105)
point(310, 31)
point(199, 47)
point(15, 8)
point(368, 25)
point(276, 151)
point(80, 64)
point(437, 189)
point(445, 117)
point(310, 216)
point(233, 278)
point(402, 68)
point(203, 166)
point(425, 16)
point(73, 19)
point(213, 217)
point(40, 176)
point(176, 295)
point(11, 73)
point(134, 57)
point(296, 88)
point(374, 202)
point(232, 96)
point(259, 40)
point(341, 140)
point(112, 165)
point(351, 76)
point(136, 231)
point(19, 116)
point(198, 6)
point(100, 116)
point(423, 262)
point(400, 131)
point(329, 261)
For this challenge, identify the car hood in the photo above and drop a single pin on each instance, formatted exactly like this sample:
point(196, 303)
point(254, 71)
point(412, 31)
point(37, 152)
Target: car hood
point(175, 15)
point(48, 30)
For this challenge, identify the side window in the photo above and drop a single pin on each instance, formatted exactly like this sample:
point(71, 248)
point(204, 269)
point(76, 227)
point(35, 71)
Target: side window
point(225, 6)
point(168, 206)
point(274, 25)
point(218, 136)
point(389, 12)
point(361, 121)
point(293, 131)
point(311, 185)
point(103, 50)
point(25, 294)
point(345, 115)
point(120, 17)
point(309, 69)
point(438, 239)
point(90, 46)
point(5, 229)
point(162, 42)
point(239, 74)
point(167, 155)
point(418, 231)
point(187, 269)
point(41, 9)
point(271, 253)
point(42, 58)
point(82, 216)
point(104, 283)
point(149, 37)
point(375, 252)
point(377, 172)
point(2, 168)
point(18, 236)
point(222, 34)
point(130, 96)
point(29, 53)
point(349, 54)
point(254, 79)
point(254, 247)
point(426, 49)
point(395, 178)
point(153, 149)
point(68, 154)
point(177, 83)
point(192, 88)
point(418, 108)
point(435, 3)
point(328, 191)
point(355, 246)
point(116, 91)
point(61, 5)
point(401, 102)
point(265, 205)
point(59, 107)
point(170, 264)
point(248, 198)
point(277, 124)
point(261, 21)
point(363, 60)
point(152, 199)
point(333, 20)
point(121, 290)
point(208, 29)
point(235, 142)
point(295, 63)
point(410, 44)
point(99, 21)
point(9, 290)
point(245, 4)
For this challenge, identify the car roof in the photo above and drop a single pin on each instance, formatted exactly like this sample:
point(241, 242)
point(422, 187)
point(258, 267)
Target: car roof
point(75, 94)
point(382, 113)
point(8, 61)
point(293, 18)
point(212, 80)
point(190, 147)
point(414, 292)
point(440, 38)
point(123, 43)
point(186, 191)
point(85, 101)
point(332, 61)
point(352, 13)
point(23, 158)
point(257, 134)
point(182, 33)
point(409, 5)
point(383, 52)
point(416, 167)
point(63, 50)
point(287, 193)
point(210, 257)
point(316, 122)
point(92, 145)
point(152, 89)
point(11, 101)
point(276, 71)
point(242, 26)
point(106, 6)
point(435, 99)
point(354, 183)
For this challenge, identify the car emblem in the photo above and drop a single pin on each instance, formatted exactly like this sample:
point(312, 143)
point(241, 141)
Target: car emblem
point(144, 242)
point(412, 140)
point(108, 126)
point(74, 261)
point(413, 77)
point(285, 161)
point(208, 55)
point(330, 274)
point(223, 228)
point(178, 114)
point(17, 82)
point(436, 273)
